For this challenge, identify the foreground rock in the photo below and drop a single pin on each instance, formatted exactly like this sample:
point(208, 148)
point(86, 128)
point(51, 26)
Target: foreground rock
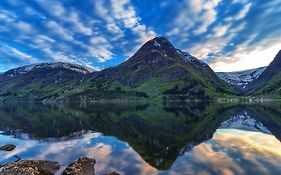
point(9, 147)
point(30, 167)
point(82, 166)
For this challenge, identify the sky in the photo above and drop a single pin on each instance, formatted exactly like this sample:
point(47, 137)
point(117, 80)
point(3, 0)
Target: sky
point(229, 35)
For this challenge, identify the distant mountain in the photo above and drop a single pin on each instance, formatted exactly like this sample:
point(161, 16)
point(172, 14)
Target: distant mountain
point(40, 80)
point(14, 73)
point(269, 82)
point(241, 79)
point(156, 70)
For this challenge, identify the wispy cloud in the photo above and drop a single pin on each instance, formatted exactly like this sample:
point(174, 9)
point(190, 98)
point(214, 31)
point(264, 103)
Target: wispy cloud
point(14, 52)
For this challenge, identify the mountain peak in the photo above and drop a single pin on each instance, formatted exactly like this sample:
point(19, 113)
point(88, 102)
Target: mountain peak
point(160, 44)
point(161, 40)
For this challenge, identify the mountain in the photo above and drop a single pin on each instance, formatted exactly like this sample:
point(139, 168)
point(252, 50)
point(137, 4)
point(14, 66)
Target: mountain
point(14, 73)
point(40, 80)
point(241, 79)
point(156, 70)
point(269, 82)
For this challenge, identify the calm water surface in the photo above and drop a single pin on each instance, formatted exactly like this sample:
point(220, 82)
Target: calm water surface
point(147, 138)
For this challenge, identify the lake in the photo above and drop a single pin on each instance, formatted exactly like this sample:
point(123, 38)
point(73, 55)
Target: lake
point(140, 138)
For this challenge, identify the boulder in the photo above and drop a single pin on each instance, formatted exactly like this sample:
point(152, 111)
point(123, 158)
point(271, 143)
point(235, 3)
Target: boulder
point(30, 167)
point(82, 166)
point(8, 147)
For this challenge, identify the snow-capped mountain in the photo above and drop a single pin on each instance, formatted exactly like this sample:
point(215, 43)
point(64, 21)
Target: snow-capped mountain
point(241, 79)
point(25, 69)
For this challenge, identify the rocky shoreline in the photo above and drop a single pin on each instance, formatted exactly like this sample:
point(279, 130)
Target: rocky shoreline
point(82, 166)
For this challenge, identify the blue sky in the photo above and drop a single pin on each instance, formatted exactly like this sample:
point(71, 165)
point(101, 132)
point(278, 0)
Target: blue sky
point(227, 34)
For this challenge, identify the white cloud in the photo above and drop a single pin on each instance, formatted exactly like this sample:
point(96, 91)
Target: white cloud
point(243, 60)
point(24, 27)
point(64, 14)
point(123, 15)
point(243, 12)
point(32, 12)
point(205, 12)
point(214, 43)
point(199, 13)
point(247, 55)
point(113, 28)
point(59, 30)
point(7, 16)
point(14, 52)
point(221, 30)
point(46, 38)
point(57, 55)
point(79, 27)
point(100, 48)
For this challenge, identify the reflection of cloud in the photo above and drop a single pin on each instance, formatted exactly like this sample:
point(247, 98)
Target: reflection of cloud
point(205, 154)
point(143, 167)
point(102, 153)
point(232, 151)
point(110, 153)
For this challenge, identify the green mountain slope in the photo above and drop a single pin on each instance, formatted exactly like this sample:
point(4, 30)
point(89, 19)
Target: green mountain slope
point(41, 81)
point(272, 88)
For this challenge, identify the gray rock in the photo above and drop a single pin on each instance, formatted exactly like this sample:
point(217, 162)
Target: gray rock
point(8, 147)
point(30, 167)
point(82, 166)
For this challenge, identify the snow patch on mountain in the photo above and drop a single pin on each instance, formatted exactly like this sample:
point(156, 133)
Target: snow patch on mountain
point(156, 44)
point(189, 58)
point(241, 78)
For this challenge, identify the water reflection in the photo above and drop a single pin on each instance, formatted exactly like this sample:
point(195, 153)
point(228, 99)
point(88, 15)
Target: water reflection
point(111, 153)
point(147, 138)
point(232, 151)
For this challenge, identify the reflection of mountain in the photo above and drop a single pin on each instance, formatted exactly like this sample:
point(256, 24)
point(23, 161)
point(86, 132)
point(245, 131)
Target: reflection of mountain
point(269, 116)
point(243, 121)
point(264, 118)
point(156, 132)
